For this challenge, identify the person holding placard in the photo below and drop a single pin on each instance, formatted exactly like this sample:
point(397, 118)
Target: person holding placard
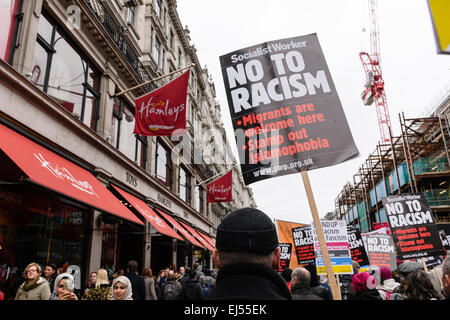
point(247, 251)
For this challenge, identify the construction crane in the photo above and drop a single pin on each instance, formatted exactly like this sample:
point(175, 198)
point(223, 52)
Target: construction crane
point(374, 87)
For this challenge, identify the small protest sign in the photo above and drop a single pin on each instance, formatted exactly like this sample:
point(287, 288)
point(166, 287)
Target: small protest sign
point(357, 248)
point(381, 250)
point(304, 244)
point(412, 225)
point(431, 261)
point(335, 232)
point(285, 256)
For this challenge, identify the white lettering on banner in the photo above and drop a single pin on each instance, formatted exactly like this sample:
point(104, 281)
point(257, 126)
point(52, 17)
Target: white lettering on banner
point(156, 219)
point(279, 88)
point(219, 189)
point(150, 108)
point(272, 48)
point(64, 174)
point(410, 219)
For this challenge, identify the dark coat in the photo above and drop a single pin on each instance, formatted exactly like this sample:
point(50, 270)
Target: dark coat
point(322, 292)
point(137, 286)
point(192, 290)
point(304, 293)
point(372, 294)
point(249, 281)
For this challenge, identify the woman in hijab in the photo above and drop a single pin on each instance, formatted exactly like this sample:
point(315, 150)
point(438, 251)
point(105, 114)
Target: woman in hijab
point(63, 288)
point(121, 289)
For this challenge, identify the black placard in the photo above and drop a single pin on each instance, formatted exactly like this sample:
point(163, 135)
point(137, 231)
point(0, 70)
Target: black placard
point(357, 248)
point(412, 225)
point(285, 110)
point(285, 257)
point(304, 245)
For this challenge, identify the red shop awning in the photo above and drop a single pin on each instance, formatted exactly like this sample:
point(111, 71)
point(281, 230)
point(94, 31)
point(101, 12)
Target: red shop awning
point(183, 231)
point(52, 171)
point(198, 237)
point(207, 238)
point(149, 214)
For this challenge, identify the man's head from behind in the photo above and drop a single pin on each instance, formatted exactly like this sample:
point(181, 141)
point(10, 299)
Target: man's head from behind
point(132, 266)
point(247, 235)
point(300, 277)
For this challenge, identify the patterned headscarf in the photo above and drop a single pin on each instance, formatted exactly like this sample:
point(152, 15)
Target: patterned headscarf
point(126, 282)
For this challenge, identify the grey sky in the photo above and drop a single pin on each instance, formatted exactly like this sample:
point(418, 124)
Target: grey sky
point(413, 72)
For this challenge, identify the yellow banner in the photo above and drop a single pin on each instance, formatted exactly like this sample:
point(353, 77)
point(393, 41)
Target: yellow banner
point(336, 269)
point(440, 14)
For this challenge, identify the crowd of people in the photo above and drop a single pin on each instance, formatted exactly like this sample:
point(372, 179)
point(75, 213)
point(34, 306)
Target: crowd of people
point(247, 258)
point(185, 283)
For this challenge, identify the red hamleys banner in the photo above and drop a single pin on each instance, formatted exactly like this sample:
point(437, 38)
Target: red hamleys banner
point(220, 190)
point(162, 111)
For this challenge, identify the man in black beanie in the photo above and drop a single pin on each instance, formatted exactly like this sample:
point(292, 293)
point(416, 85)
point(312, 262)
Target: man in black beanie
point(248, 257)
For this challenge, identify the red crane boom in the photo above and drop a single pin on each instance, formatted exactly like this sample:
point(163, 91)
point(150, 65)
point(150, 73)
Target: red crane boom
point(374, 88)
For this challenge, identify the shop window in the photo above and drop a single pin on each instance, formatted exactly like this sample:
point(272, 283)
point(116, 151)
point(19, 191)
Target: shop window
point(62, 71)
point(8, 11)
point(184, 185)
point(122, 136)
point(37, 228)
point(163, 167)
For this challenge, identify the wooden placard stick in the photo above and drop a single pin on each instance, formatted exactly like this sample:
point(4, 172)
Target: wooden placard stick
point(156, 79)
point(424, 265)
point(335, 290)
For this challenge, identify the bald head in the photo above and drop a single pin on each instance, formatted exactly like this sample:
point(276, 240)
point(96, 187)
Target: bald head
point(301, 276)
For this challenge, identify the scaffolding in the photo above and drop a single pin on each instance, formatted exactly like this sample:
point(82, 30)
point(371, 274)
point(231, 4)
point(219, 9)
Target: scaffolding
point(415, 161)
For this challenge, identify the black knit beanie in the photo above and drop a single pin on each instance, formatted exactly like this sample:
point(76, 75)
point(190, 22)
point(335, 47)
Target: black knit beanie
point(247, 230)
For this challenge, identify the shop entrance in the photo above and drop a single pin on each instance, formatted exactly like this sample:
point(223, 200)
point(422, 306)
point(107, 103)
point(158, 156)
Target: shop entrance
point(161, 253)
point(130, 245)
point(184, 254)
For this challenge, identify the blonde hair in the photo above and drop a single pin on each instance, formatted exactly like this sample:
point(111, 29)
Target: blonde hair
point(35, 264)
point(102, 278)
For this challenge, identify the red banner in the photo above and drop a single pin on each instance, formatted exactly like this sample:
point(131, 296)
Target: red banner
point(162, 111)
point(221, 189)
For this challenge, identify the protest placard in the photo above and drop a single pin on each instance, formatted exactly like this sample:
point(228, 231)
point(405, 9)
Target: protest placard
point(381, 250)
point(357, 248)
point(284, 232)
point(304, 244)
point(412, 225)
point(335, 232)
point(285, 110)
point(285, 256)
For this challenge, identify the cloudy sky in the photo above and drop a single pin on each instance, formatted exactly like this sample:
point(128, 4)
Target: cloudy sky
point(414, 74)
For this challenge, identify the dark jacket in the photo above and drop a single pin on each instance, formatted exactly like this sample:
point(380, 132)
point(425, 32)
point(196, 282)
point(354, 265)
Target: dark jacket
point(372, 294)
point(137, 286)
point(322, 292)
point(249, 281)
point(303, 293)
point(192, 290)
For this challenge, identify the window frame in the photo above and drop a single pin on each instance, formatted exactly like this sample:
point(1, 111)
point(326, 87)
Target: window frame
point(168, 164)
point(49, 48)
